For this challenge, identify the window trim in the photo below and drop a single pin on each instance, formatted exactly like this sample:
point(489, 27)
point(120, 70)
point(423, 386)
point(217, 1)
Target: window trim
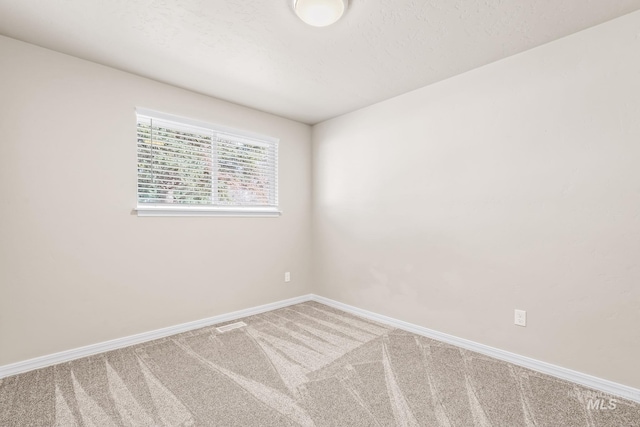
point(149, 209)
point(167, 210)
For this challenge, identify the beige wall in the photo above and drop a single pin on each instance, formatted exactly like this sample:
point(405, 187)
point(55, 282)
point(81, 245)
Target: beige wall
point(75, 266)
point(516, 185)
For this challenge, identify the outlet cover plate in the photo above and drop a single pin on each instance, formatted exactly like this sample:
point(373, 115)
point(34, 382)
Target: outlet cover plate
point(520, 318)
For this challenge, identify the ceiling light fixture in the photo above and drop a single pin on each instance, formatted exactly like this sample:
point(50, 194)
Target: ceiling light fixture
point(319, 13)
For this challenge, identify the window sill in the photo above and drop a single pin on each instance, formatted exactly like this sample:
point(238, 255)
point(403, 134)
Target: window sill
point(206, 211)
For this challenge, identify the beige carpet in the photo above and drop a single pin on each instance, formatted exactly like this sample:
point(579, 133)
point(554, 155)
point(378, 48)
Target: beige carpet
point(307, 365)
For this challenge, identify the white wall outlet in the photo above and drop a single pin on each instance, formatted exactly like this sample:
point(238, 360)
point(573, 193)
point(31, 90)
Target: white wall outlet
point(287, 277)
point(520, 318)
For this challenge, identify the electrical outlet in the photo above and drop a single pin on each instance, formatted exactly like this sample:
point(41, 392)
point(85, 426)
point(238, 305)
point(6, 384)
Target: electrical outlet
point(520, 318)
point(287, 277)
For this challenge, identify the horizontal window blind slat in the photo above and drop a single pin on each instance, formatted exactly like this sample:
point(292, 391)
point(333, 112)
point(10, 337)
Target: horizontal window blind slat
point(248, 175)
point(160, 132)
point(245, 161)
point(246, 165)
point(174, 193)
point(242, 148)
point(270, 160)
point(161, 129)
point(175, 202)
point(165, 175)
point(175, 155)
point(157, 154)
point(244, 177)
point(238, 151)
point(174, 125)
point(159, 141)
point(243, 144)
point(163, 193)
point(248, 204)
point(159, 186)
point(262, 194)
point(150, 186)
point(160, 165)
point(206, 205)
point(169, 146)
point(237, 139)
point(232, 170)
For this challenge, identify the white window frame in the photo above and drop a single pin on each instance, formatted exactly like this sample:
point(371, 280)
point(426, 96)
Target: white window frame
point(161, 209)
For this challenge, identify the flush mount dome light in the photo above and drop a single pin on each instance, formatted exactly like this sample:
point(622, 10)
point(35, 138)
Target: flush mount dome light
point(319, 13)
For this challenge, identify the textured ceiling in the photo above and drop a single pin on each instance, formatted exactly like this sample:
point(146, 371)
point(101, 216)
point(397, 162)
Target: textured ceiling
point(257, 53)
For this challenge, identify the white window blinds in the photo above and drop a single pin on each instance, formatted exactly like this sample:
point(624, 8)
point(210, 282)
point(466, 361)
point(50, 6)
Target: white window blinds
point(186, 166)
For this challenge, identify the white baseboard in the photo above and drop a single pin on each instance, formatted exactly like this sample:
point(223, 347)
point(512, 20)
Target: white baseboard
point(77, 353)
point(595, 383)
point(590, 381)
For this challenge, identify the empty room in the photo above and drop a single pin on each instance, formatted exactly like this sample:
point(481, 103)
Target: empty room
point(319, 213)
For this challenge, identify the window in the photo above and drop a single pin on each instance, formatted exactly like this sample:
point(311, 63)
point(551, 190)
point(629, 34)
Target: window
point(191, 168)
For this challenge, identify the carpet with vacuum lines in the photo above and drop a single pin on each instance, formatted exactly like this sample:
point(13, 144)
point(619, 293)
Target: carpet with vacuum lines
point(303, 365)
